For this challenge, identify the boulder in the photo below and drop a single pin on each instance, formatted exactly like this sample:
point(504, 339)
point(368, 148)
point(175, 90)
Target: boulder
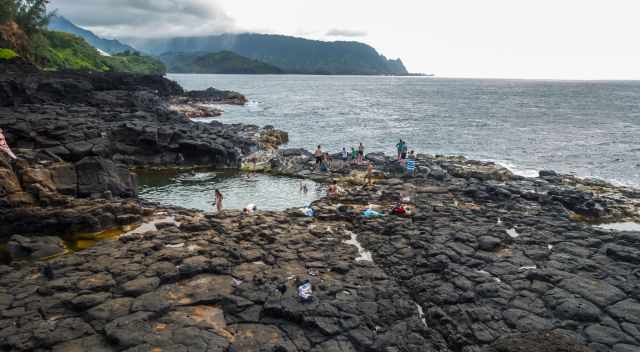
point(97, 175)
point(20, 247)
point(64, 178)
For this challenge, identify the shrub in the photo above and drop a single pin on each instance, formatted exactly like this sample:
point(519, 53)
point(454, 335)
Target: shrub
point(7, 54)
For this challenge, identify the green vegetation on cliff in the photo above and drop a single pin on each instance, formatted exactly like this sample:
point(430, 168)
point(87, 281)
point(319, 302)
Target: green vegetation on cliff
point(23, 30)
point(224, 62)
point(111, 46)
point(67, 51)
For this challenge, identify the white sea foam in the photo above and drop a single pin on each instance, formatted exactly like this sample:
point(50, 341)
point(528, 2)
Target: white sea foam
point(364, 255)
point(516, 170)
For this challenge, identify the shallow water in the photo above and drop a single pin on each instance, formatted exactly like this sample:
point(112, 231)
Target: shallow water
point(591, 129)
point(197, 190)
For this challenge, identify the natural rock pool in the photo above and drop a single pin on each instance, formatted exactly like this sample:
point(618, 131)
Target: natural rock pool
point(195, 190)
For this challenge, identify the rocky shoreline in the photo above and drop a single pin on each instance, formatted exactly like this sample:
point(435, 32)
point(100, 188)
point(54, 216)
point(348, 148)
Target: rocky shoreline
point(485, 261)
point(78, 135)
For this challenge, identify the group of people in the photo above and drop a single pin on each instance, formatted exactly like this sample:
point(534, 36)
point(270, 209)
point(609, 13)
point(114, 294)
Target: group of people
point(323, 163)
point(406, 160)
point(324, 159)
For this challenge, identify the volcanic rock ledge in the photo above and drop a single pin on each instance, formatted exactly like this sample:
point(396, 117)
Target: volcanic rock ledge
point(476, 266)
point(485, 260)
point(77, 136)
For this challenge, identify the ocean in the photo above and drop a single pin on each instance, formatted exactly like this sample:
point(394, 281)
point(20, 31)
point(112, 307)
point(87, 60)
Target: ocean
point(585, 128)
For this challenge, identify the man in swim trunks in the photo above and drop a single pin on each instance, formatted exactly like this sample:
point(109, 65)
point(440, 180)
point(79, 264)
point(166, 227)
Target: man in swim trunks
point(318, 155)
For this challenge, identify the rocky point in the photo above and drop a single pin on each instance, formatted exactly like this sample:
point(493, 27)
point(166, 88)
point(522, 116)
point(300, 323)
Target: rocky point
point(483, 260)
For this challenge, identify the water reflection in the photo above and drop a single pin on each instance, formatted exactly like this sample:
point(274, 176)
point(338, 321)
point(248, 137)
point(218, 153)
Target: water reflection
point(195, 190)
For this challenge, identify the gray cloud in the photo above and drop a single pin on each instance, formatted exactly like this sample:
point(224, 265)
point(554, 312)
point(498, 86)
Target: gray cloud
point(146, 18)
point(336, 32)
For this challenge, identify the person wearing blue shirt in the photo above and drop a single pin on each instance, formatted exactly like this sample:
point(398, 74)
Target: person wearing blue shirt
point(411, 164)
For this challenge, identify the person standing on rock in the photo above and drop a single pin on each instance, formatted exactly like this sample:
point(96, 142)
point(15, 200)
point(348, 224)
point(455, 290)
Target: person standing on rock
point(370, 174)
point(403, 152)
point(360, 153)
point(5, 147)
point(353, 155)
point(219, 199)
point(344, 155)
point(318, 155)
point(399, 147)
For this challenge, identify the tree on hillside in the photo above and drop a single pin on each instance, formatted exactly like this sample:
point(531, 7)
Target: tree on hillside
point(30, 15)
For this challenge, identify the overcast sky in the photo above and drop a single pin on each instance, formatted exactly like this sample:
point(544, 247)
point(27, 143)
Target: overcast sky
point(573, 39)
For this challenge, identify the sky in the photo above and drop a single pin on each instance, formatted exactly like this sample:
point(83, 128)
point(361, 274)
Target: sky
point(545, 39)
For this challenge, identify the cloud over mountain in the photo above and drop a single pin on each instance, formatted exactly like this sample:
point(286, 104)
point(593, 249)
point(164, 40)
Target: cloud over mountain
point(147, 18)
point(336, 32)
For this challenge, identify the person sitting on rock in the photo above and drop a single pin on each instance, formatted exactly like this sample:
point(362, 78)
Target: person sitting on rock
point(327, 160)
point(5, 147)
point(250, 209)
point(333, 189)
point(411, 164)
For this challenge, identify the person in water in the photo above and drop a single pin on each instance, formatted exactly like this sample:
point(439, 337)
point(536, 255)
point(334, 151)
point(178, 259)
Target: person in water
point(318, 155)
point(219, 199)
point(5, 147)
point(303, 188)
point(360, 153)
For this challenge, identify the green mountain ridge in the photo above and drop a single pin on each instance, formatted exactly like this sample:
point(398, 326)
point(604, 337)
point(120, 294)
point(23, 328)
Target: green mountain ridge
point(223, 62)
point(291, 54)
